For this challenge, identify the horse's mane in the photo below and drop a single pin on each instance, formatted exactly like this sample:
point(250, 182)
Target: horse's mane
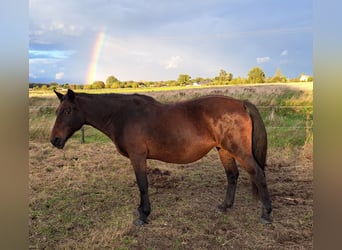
point(115, 96)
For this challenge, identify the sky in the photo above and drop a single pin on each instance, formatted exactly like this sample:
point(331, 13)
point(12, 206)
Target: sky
point(153, 40)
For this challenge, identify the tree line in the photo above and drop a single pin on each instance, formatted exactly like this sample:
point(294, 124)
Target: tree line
point(255, 75)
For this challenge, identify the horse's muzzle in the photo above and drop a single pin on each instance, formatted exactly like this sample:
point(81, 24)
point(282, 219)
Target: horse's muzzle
point(58, 142)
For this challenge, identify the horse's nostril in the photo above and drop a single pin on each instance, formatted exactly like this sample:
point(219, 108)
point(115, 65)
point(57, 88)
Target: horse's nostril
point(57, 142)
point(54, 141)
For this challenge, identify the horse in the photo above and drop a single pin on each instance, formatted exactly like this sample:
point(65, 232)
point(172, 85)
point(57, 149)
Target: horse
point(183, 132)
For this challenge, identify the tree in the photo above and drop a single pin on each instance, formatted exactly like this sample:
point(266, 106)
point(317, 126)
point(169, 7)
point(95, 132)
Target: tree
point(198, 79)
point(53, 85)
point(149, 84)
point(278, 76)
point(223, 78)
point(256, 75)
point(98, 85)
point(183, 79)
point(110, 81)
point(87, 86)
point(114, 85)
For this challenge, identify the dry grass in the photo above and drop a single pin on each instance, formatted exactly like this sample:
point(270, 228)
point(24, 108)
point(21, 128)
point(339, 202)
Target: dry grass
point(83, 197)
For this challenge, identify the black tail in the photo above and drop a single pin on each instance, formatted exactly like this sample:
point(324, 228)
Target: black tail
point(259, 139)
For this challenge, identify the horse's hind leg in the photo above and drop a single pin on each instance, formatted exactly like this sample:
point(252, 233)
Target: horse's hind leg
point(258, 179)
point(232, 173)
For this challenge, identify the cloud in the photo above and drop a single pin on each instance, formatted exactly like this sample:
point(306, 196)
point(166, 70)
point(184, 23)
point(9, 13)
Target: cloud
point(33, 76)
point(284, 53)
point(42, 62)
point(263, 59)
point(54, 54)
point(59, 75)
point(173, 62)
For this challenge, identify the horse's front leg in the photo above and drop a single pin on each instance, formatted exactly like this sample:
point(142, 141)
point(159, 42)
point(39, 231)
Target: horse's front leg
point(144, 209)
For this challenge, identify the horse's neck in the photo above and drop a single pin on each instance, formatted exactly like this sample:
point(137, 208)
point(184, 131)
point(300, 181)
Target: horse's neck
point(98, 113)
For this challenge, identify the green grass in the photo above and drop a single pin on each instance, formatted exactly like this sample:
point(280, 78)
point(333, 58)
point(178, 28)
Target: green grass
point(287, 126)
point(288, 116)
point(91, 135)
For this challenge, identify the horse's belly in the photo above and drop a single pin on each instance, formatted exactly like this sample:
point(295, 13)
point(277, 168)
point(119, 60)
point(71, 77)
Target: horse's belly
point(182, 153)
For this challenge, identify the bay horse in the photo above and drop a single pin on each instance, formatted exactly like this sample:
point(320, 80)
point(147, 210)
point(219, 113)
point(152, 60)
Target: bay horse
point(143, 128)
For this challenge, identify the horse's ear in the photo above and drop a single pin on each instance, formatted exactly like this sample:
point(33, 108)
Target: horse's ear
point(59, 95)
point(71, 94)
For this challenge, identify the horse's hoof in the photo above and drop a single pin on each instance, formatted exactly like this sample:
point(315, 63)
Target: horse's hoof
point(265, 221)
point(221, 209)
point(139, 222)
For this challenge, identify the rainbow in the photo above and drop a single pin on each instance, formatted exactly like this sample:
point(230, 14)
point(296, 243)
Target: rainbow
point(95, 57)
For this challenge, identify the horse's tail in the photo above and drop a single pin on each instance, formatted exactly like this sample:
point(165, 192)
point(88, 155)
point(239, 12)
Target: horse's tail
point(259, 139)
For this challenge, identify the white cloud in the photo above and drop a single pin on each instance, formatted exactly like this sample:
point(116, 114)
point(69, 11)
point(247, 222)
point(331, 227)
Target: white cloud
point(263, 59)
point(59, 75)
point(173, 62)
point(284, 53)
point(31, 75)
point(43, 61)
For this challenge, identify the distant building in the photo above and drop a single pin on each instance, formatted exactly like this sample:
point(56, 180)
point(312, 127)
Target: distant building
point(304, 78)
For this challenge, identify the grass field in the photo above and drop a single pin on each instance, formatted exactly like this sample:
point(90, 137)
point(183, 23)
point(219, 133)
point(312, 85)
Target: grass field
point(82, 197)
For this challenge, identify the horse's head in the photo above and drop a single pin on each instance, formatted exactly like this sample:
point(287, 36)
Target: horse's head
point(69, 119)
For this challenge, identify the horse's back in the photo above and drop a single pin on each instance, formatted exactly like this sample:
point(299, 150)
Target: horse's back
point(184, 132)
